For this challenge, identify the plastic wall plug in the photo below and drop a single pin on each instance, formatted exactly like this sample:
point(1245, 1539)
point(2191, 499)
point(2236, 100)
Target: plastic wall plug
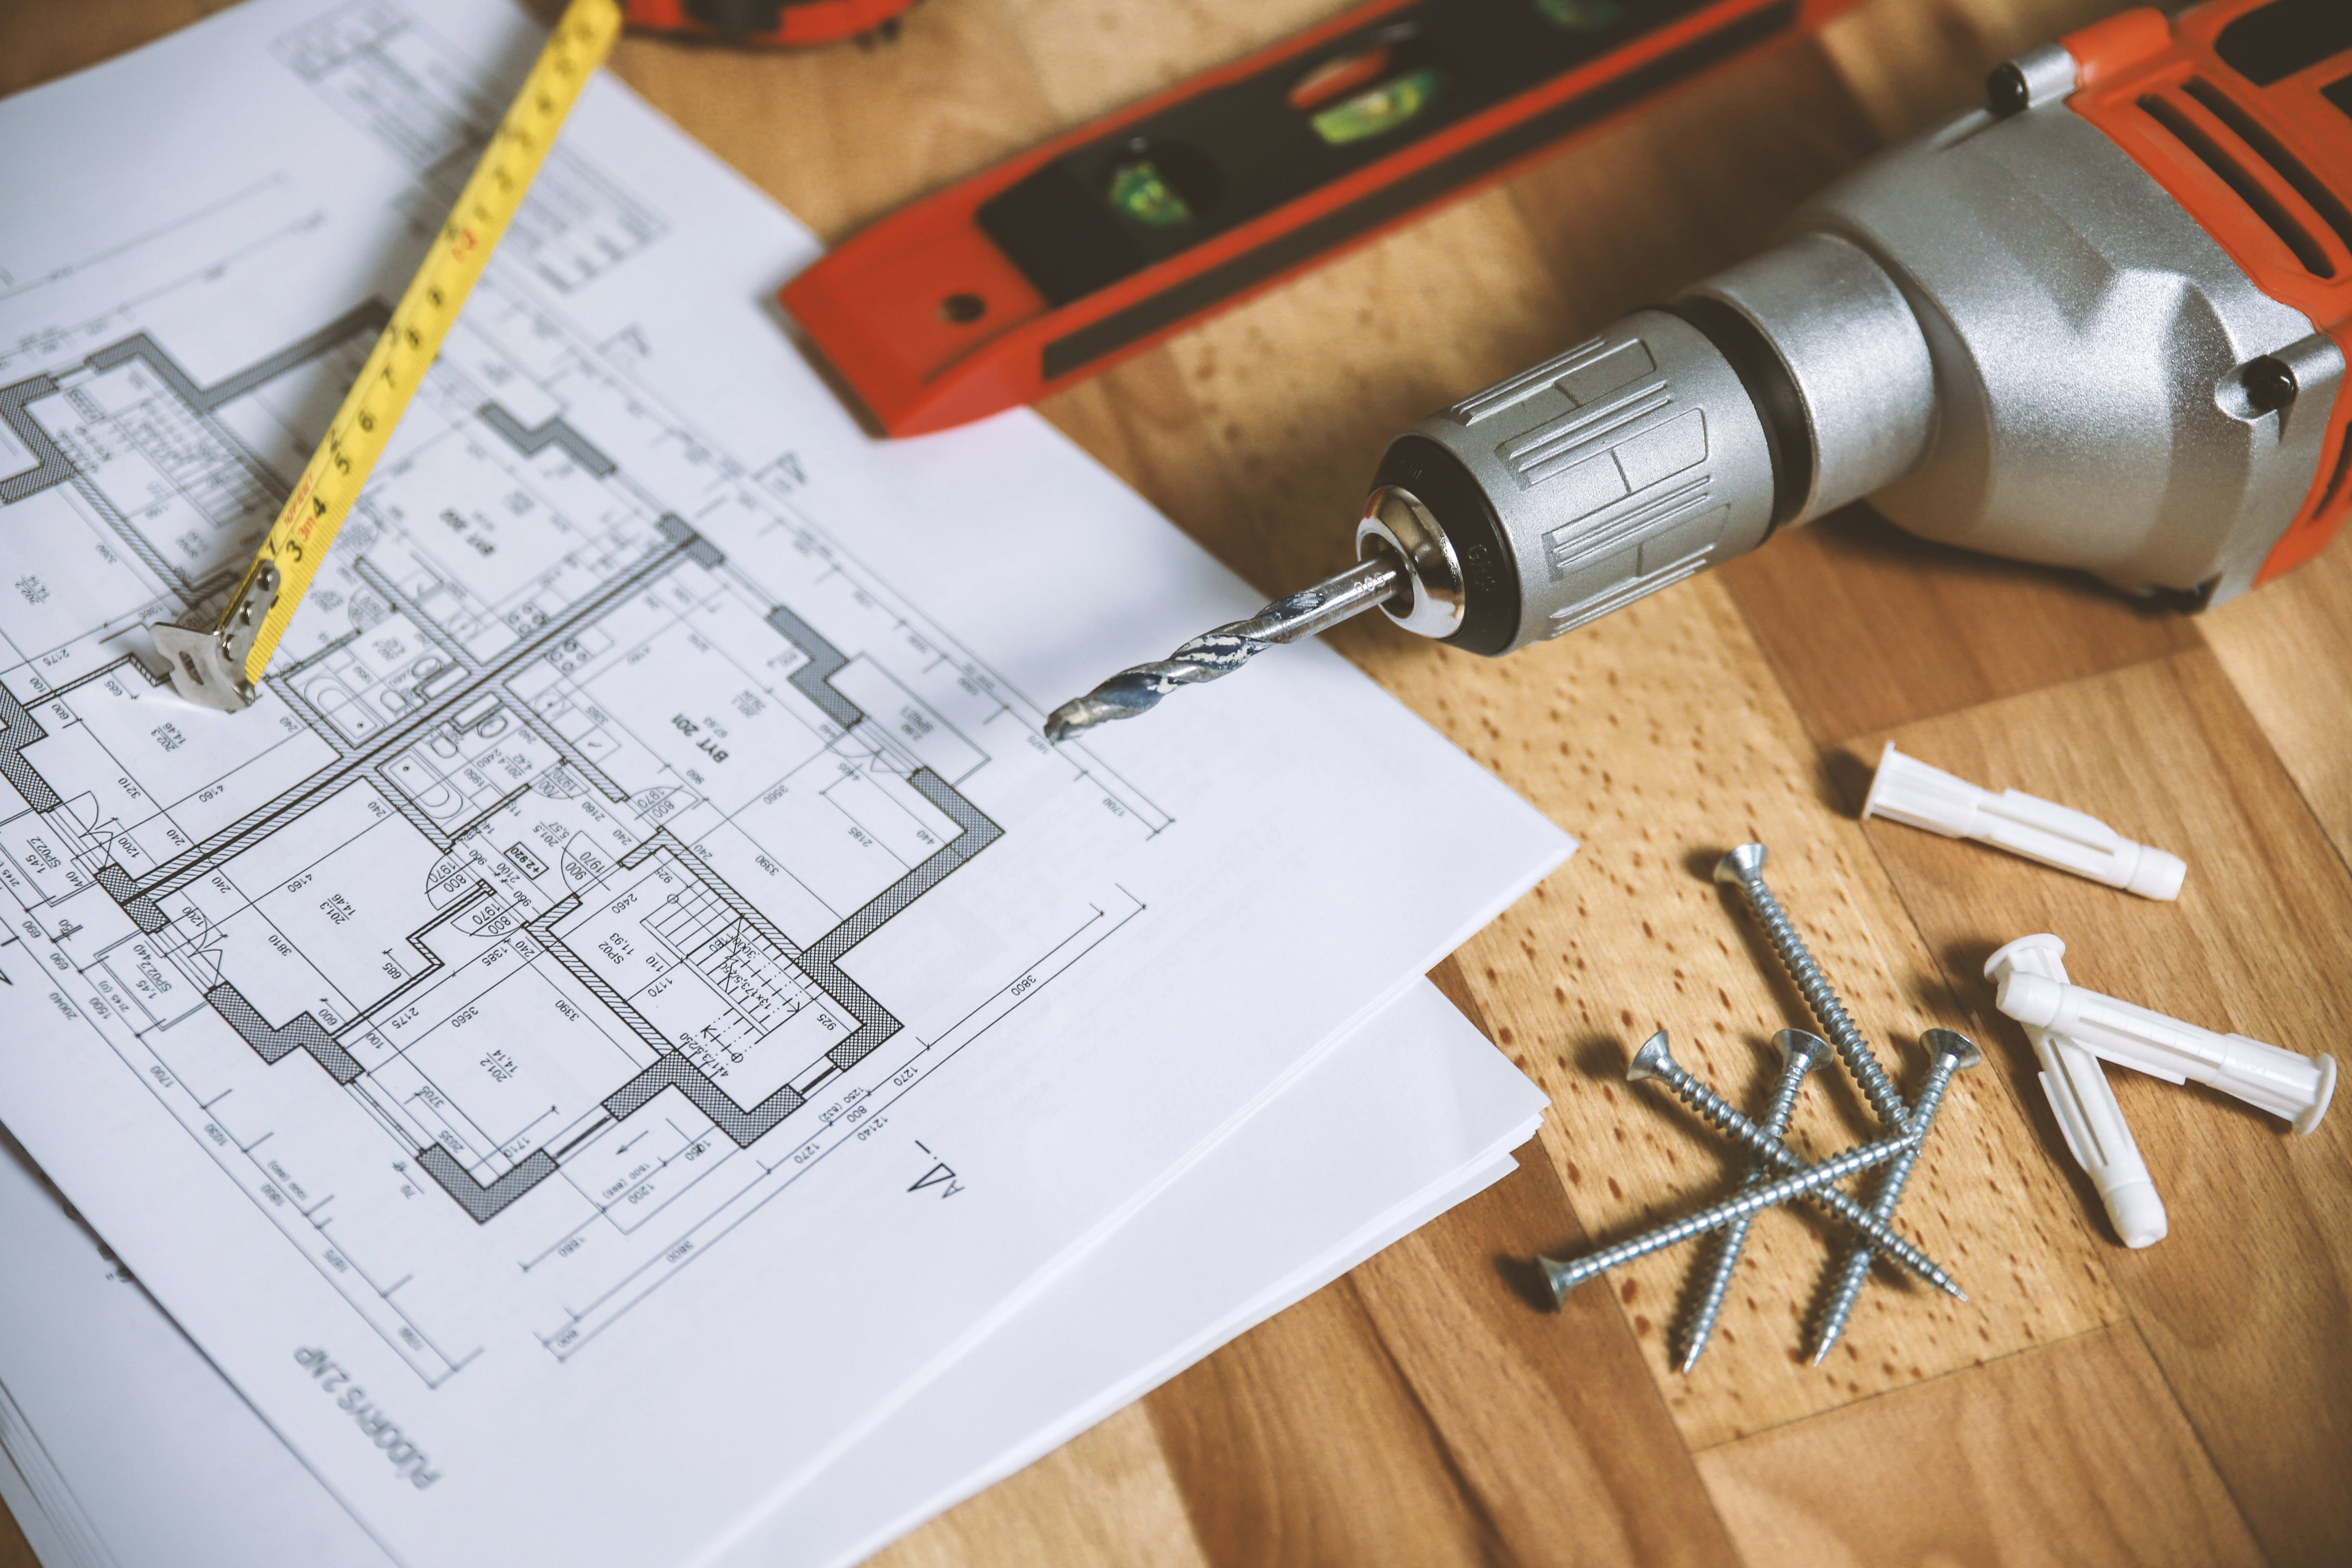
point(1907, 790)
point(2085, 1104)
point(2281, 1082)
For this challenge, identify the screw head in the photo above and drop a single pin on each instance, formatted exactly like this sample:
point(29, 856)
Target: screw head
point(1561, 1274)
point(1650, 1061)
point(1953, 1044)
point(1797, 1045)
point(1740, 865)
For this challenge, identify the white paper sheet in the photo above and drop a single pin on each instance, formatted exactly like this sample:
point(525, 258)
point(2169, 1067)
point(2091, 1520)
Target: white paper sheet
point(126, 1447)
point(150, 1459)
point(532, 1051)
point(1118, 1324)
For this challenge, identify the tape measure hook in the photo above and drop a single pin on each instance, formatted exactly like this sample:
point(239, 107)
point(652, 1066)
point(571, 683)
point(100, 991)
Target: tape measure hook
point(208, 662)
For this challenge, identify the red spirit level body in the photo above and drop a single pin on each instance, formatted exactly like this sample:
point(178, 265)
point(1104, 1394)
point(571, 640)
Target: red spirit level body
point(776, 23)
point(1069, 257)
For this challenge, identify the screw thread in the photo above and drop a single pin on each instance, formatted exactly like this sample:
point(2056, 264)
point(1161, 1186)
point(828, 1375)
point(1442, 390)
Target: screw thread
point(1735, 1235)
point(1856, 1271)
point(1806, 1181)
point(1715, 1108)
point(1885, 1100)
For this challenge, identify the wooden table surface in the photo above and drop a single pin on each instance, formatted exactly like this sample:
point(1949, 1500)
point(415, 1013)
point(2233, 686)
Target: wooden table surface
point(2190, 1403)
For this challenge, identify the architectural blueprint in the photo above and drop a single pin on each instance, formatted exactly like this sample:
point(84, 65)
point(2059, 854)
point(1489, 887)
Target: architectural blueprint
point(638, 947)
point(130, 1451)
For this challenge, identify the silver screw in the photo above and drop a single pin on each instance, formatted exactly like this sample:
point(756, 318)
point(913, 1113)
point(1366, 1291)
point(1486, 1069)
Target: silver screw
point(1653, 1061)
point(1744, 868)
point(1948, 1052)
point(1807, 1181)
point(1800, 1053)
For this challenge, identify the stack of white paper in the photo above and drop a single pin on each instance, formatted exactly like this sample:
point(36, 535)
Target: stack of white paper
point(637, 1023)
point(99, 1394)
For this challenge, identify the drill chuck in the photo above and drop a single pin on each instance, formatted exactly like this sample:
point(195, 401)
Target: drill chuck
point(1627, 463)
point(1784, 388)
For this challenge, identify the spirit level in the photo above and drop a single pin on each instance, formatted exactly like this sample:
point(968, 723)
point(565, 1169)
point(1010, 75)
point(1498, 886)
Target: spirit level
point(1068, 257)
point(220, 665)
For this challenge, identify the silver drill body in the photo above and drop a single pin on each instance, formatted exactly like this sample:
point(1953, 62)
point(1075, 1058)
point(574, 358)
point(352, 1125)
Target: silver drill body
point(1800, 1053)
point(1948, 1052)
point(1744, 868)
point(1564, 1275)
point(1654, 1061)
point(1904, 338)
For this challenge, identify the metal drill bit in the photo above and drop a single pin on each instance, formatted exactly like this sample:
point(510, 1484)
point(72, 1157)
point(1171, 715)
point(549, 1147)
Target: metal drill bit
point(1217, 653)
point(1744, 868)
point(1950, 1051)
point(1654, 1061)
point(1800, 1053)
point(1565, 1274)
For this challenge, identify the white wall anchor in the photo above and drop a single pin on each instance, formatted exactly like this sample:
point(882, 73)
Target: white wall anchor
point(2281, 1082)
point(1909, 791)
point(2085, 1105)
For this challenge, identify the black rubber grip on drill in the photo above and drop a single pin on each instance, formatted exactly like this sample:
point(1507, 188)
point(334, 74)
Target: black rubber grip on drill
point(1788, 437)
point(1490, 580)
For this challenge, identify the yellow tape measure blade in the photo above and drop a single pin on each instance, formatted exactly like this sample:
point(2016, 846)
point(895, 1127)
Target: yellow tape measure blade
point(220, 665)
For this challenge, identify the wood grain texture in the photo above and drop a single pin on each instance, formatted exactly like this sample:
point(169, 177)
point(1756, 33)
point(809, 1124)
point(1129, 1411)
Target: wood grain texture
point(1106, 1498)
point(1095, 55)
point(829, 132)
point(1636, 213)
point(2243, 1303)
point(16, 1552)
point(1551, 1421)
point(1302, 1442)
point(1868, 628)
point(2190, 1403)
point(2072, 1453)
point(2288, 653)
point(40, 42)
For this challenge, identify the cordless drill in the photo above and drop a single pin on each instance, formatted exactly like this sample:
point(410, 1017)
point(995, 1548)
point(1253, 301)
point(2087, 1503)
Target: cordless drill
point(2100, 321)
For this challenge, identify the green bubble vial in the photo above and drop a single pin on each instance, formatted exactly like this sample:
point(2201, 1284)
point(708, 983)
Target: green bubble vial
point(1380, 110)
point(1138, 192)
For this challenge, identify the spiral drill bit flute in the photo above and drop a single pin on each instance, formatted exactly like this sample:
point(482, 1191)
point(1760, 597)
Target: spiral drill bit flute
point(1220, 652)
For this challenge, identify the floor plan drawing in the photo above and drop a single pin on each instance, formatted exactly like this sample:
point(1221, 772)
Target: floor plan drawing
point(637, 999)
point(555, 846)
point(389, 74)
